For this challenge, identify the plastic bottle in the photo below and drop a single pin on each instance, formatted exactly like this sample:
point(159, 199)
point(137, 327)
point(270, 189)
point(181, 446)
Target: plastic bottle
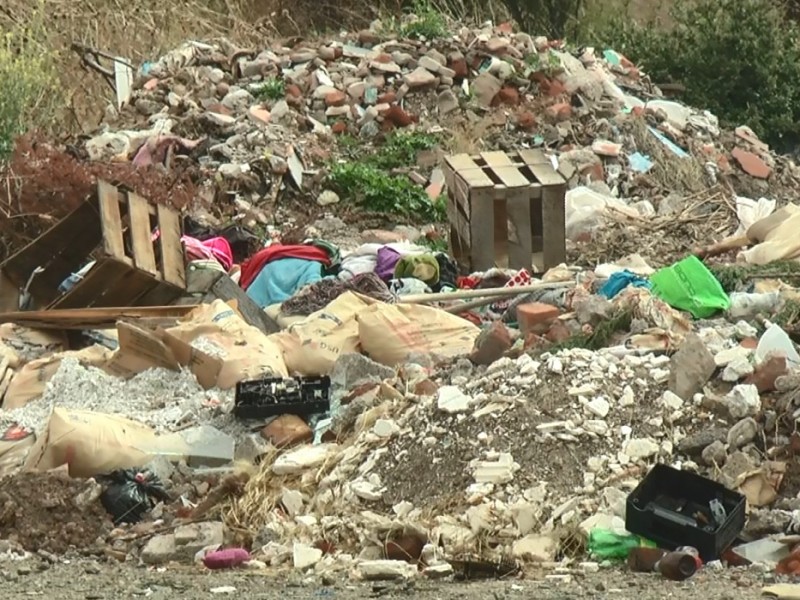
point(608, 545)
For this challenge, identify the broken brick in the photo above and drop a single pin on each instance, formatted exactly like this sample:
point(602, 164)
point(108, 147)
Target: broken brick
point(751, 163)
point(536, 317)
point(491, 344)
point(766, 374)
point(526, 120)
point(398, 117)
point(335, 98)
point(559, 112)
point(507, 95)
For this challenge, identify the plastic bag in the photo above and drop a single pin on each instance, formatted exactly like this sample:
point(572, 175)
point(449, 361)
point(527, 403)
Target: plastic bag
point(130, 494)
point(688, 285)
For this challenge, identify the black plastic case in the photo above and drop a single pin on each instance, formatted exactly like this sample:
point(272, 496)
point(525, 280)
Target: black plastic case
point(674, 508)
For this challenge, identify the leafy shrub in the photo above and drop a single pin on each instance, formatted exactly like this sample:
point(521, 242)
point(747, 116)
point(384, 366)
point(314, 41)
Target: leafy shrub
point(739, 59)
point(27, 87)
point(367, 181)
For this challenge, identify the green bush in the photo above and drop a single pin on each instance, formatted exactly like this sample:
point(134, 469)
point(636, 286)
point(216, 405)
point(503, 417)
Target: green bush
point(27, 81)
point(739, 59)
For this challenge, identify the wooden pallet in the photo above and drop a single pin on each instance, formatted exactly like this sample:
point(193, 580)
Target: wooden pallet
point(130, 269)
point(504, 209)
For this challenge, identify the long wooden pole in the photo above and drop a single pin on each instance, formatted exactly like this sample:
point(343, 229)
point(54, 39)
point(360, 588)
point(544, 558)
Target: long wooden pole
point(496, 292)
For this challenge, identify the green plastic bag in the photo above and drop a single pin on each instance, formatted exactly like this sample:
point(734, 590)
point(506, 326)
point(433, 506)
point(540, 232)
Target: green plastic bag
point(604, 544)
point(688, 285)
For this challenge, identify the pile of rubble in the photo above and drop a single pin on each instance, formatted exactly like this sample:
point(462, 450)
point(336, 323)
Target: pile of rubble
point(380, 431)
point(255, 126)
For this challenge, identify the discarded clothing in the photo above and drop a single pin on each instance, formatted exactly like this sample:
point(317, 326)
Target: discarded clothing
point(216, 248)
point(281, 279)
point(424, 267)
point(619, 281)
point(448, 273)
point(386, 262)
point(408, 285)
point(252, 267)
point(364, 259)
point(243, 241)
point(318, 295)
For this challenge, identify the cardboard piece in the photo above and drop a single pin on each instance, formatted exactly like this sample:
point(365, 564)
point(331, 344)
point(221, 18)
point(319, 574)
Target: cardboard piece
point(311, 346)
point(389, 333)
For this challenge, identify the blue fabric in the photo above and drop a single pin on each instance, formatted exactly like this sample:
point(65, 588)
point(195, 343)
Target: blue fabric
point(280, 279)
point(620, 280)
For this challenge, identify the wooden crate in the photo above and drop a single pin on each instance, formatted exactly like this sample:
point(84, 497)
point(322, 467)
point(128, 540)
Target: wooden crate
point(506, 210)
point(130, 270)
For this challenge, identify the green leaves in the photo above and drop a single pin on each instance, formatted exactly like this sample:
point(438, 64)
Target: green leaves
point(368, 180)
point(737, 58)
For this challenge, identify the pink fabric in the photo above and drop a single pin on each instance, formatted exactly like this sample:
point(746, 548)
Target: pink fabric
point(216, 248)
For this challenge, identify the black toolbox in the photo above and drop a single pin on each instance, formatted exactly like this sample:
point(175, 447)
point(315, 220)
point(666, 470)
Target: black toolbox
point(676, 508)
point(275, 396)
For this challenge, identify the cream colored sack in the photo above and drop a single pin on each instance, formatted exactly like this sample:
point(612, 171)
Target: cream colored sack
point(311, 346)
point(389, 333)
point(91, 443)
point(246, 353)
point(30, 380)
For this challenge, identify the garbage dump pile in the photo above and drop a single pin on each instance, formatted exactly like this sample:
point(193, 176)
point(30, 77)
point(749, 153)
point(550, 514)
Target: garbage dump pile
point(365, 404)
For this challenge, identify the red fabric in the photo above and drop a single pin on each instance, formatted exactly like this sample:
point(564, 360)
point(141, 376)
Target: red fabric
point(253, 265)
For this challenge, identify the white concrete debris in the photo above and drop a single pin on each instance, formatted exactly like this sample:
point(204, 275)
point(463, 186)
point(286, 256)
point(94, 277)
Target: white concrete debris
point(499, 468)
point(378, 570)
point(452, 400)
point(304, 556)
point(305, 457)
point(157, 397)
point(743, 401)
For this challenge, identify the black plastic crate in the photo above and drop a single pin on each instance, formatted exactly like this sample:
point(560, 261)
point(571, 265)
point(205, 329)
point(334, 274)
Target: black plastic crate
point(275, 396)
point(676, 508)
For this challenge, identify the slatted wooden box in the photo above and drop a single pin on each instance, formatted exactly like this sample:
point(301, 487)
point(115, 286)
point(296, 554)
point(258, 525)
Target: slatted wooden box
point(131, 268)
point(506, 210)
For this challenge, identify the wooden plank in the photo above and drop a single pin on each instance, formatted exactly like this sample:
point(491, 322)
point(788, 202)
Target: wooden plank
point(520, 242)
point(464, 165)
point(501, 165)
point(226, 289)
point(61, 250)
point(172, 260)
point(500, 233)
point(88, 318)
point(143, 256)
point(554, 225)
point(481, 225)
point(461, 195)
point(547, 175)
point(106, 272)
point(108, 198)
point(127, 290)
point(533, 157)
point(162, 293)
point(458, 221)
point(9, 294)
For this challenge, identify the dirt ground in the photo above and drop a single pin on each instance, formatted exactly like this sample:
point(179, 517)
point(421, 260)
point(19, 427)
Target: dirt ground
point(86, 580)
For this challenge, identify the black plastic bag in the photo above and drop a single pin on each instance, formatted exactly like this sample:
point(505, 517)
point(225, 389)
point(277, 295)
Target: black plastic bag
point(130, 494)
